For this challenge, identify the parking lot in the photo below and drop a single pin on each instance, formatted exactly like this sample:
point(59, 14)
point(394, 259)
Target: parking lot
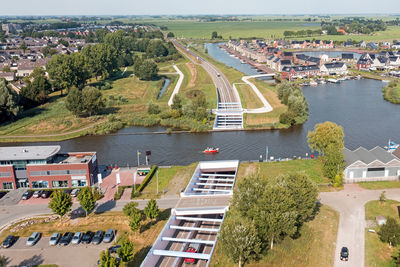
point(41, 253)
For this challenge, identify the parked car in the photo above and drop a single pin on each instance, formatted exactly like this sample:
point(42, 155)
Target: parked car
point(193, 248)
point(75, 192)
point(27, 195)
point(114, 249)
point(66, 238)
point(9, 241)
point(98, 237)
point(54, 239)
point(68, 191)
point(2, 194)
point(87, 237)
point(344, 254)
point(109, 236)
point(33, 239)
point(37, 193)
point(46, 193)
point(77, 238)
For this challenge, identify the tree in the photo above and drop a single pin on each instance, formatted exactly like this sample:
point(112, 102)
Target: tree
point(214, 35)
point(153, 108)
point(177, 103)
point(106, 260)
point(239, 239)
point(170, 35)
point(3, 261)
point(390, 232)
point(125, 252)
point(86, 199)
point(324, 135)
point(135, 220)
point(151, 210)
point(333, 162)
point(382, 197)
point(130, 208)
point(74, 101)
point(9, 108)
point(145, 69)
point(23, 46)
point(37, 88)
point(92, 101)
point(60, 203)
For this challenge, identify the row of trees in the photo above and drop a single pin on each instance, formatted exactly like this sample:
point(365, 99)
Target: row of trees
point(292, 96)
point(302, 33)
point(264, 211)
point(355, 25)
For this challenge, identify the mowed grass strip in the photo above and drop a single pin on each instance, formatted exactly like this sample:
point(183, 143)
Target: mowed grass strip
point(378, 253)
point(379, 185)
point(315, 245)
point(249, 99)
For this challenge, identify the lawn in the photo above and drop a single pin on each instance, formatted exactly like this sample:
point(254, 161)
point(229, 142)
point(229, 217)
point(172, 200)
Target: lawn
point(143, 240)
point(378, 253)
point(379, 185)
point(392, 94)
point(171, 181)
point(314, 247)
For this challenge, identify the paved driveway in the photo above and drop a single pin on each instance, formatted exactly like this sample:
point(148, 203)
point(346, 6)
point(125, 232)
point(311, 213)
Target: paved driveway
point(351, 233)
point(42, 253)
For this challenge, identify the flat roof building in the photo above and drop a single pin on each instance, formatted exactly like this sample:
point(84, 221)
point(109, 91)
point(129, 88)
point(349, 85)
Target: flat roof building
point(45, 167)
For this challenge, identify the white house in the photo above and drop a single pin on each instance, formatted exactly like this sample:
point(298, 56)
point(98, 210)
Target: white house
point(336, 68)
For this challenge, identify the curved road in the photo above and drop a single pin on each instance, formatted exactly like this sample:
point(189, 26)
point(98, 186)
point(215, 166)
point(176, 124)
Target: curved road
point(227, 93)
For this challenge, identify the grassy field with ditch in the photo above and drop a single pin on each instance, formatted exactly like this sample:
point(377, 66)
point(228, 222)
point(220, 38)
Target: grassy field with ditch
point(378, 253)
point(314, 247)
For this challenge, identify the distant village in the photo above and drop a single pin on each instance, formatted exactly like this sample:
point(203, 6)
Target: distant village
point(292, 64)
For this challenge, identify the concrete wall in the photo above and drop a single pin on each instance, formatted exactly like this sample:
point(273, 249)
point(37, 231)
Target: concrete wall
point(362, 174)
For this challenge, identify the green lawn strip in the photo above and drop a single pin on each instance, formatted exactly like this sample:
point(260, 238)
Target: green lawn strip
point(249, 99)
point(379, 185)
point(314, 247)
point(392, 94)
point(378, 253)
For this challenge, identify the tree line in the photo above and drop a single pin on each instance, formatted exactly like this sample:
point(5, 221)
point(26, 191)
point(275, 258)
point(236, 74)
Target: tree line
point(354, 25)
point(302, 33)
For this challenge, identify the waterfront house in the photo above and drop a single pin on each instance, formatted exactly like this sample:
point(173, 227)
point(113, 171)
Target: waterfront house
point(364, 62)
point(335, 68)
point(302, 71)
point(372, 46)
point(370, 165)
point(348, 57)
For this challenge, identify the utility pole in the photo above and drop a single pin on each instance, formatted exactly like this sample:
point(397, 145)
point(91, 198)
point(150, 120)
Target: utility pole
point(157, 181)
point(138, 162)
point(266, 154)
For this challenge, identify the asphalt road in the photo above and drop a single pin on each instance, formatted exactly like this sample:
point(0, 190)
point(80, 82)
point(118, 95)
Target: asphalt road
point(351, 233)
point(226, 91)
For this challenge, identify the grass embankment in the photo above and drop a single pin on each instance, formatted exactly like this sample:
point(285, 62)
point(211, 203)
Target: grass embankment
point(171, 181)
point(380, 185)
point(263, 120)
point(314, 247)
point(126, 105)
point(378, 253)
point(312, 168)
point(391, 93)
point(143, 240)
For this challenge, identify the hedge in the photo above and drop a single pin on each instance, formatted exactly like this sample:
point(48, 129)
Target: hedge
point(147, 179)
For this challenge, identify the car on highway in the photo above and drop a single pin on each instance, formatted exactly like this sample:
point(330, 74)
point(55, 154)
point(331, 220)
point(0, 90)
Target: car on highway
point(193, 248)
point(46, 193)
point(66, 238)
point(218, 75)
point(33, 239)
point(27, 195)
point(37, 193)
point(77, 238)
point(344, 254)
point(114, 249)
point(87, 237)
point(75, 192)
point(109, 236)
point(9, 241)
point(98, 237)
point(54, 239)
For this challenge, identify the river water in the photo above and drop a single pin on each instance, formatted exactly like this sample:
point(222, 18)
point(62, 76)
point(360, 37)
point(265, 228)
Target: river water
point(358, 106)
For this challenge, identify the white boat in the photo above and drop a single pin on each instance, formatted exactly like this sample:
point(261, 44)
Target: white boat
point(392, 146)
point(313, 83)
point(241, 61)
point(232, 55)
point(333, 80)
point(385, 81)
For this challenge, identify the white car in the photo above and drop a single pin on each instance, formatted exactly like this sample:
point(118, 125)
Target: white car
point(33, 239)
point(77, 238)
point(54, 239)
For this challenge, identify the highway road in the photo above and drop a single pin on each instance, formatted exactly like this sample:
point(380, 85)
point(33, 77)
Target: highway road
point(227, 93)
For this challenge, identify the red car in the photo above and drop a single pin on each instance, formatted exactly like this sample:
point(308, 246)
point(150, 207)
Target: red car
point(192, 249)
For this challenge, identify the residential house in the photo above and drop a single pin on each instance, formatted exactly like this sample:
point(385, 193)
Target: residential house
point(335, 68)
point(293, 72)
point(372, 46)
point(364, 62)
point(370, 165)
point(348, 57)
point(8, 76)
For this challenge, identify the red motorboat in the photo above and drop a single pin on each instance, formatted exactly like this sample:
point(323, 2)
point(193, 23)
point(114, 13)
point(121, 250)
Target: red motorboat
point(211, 150)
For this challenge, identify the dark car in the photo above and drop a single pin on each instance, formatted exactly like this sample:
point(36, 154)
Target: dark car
point(114, 249)
point(87, 237)
point(66, 238)
point(98, 237)
point(46, 193)
point(27, 195)
point(2, 194)
point(9, 241)
point(344, 254)
point(37, 193)
point(68, 191)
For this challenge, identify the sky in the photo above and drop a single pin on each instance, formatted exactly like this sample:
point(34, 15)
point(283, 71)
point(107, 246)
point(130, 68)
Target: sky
point(190, 7)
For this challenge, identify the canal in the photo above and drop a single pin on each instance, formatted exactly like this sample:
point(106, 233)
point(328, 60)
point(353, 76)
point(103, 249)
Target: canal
point(358, 106)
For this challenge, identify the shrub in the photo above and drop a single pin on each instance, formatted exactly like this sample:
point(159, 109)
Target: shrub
point(153, 109)
point(119, 193)
point(147, 179)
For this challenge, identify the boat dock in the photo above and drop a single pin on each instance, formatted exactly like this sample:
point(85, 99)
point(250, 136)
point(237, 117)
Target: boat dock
point(260, 67)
